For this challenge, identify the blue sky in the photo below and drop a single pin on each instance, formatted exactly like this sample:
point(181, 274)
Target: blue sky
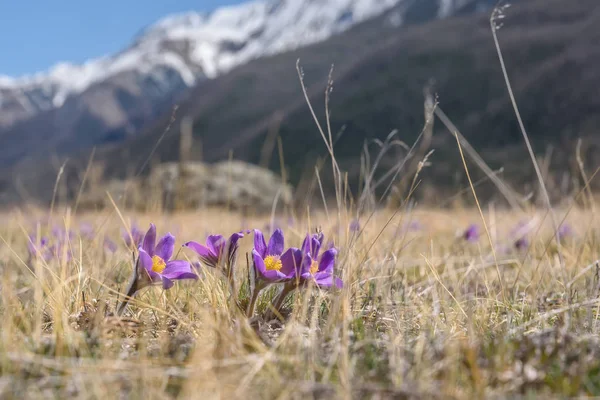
point(36, 34)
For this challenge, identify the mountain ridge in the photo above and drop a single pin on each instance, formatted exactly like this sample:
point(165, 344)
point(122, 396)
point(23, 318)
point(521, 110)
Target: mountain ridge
point(210, 38)
point(549, 48)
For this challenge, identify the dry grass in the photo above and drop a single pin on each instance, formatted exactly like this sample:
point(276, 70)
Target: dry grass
point(422, 315)
point(423, 312)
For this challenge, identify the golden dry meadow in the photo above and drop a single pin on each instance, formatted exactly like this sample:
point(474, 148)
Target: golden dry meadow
point(446, 302)
point(424, 312)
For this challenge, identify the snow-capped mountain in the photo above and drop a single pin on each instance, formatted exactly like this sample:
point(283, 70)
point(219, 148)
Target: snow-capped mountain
point(180, 50)
point(192, 46)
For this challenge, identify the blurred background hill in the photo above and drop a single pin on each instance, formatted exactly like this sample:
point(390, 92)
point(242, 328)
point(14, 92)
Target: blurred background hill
point(232, 75)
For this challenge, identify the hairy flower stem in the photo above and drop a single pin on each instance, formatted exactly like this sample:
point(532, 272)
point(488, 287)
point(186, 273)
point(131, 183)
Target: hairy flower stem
point(253, 297)
point(138, 281)
point(231, 279)
point(131, 291)
point(278, 301)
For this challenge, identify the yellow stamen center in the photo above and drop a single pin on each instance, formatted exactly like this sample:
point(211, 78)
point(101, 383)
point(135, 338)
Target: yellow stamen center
point(272, 263)
point(314, 267)
point(158, 264)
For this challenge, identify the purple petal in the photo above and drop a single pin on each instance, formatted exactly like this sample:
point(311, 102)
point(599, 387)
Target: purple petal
point(259, 243)
point(216, 244)
point(197, 267)
point(136, 235)
point(324, 280)
point(233, 239)
point(126, 237)
point(276, 243)
point(312, 245)
point(315, 246)
point(165, 246)
point(306, 244)
point(259, 263)
point(154, 276)
point(150, 240)
point(291, 262)
point(274, 276)
point(472, 233)
point(232, 247)
point(522, 243)
point(166, 282)
point(61, 233)
point(320, 237)
point(179, 269)
point(327, 280)
point(145, 260)
point(327, 261)
point(86, 230)
point(110, 245)
point(35, 247)
point(565, 231)
point(201, 250)
point(305, 267)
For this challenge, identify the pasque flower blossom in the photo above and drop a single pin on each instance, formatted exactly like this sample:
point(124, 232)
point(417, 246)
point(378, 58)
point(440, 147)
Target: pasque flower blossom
point(47, 249)
point(472, 233)
point(318, 269)
point(218, 250)
point(133, 240)
point(271, 263)
point(155, 258)
point(154, 265)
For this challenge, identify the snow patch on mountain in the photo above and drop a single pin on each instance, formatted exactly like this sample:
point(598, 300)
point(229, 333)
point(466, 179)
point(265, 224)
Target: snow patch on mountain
point(198, 45)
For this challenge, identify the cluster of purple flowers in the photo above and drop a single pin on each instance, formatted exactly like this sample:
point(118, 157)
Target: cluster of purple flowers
point(519, 234)
point(56, 245)
point(272, 263)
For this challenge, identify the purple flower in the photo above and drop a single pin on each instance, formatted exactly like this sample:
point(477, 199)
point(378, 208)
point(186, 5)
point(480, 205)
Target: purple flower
point(271, 263)
point(520, 234)
point(212, 255)
point(412, 226)
point(354, 226)
point(135, 239)
point(41, 248)
point(110, 245)
point(315, 268)
point(46, 250)
point(155, 258)
point(522, 243)
point(565, 231)
point(472, 233)
point(62, 235)
point(86, 230)
point(415, 226)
